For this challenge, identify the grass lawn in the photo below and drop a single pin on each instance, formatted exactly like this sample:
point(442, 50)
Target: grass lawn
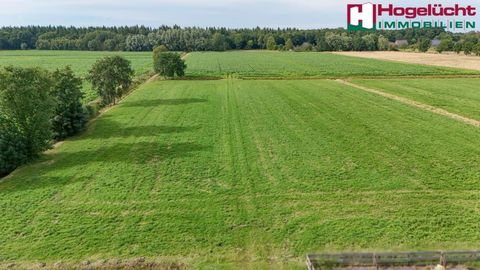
point(80, 61)
point(294, 65)
point(247, 173)
point(461, 96)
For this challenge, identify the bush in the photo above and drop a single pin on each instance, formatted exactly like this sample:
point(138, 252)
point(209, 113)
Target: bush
point(70, 116)
point(383, 44)
point(305, 47)
point(458, 47)
point(169, 64)
point(424, 45)
point(468, 47)
point(445, 45)
point(476, 49)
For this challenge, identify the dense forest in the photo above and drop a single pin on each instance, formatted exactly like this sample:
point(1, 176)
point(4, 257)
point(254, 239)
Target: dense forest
point(141, 38)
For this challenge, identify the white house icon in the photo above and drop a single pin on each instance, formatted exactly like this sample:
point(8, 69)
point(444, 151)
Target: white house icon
point(364, 13)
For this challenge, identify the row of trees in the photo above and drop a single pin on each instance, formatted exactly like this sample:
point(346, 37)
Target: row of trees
point(38, 107)
point(140, 38)
point(468, 43)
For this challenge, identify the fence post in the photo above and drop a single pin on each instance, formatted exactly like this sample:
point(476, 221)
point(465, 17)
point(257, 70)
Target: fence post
point(443, 259)
point(310, 264)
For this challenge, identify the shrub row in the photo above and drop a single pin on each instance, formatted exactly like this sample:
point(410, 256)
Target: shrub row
point(38, 107)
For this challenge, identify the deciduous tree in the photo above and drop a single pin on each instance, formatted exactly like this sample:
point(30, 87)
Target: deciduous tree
point(70, 116)
point(271, 43)
point(26, 109)
point(289, 44)
point(383, 43)
point(169, 64)
point(111, 77)
point(458, 47)
point(468, 47)
point(424, 45)
point(476, 49)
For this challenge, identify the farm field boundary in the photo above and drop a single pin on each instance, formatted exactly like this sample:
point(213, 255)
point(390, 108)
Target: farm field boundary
point(363, 77)
point(433, 109)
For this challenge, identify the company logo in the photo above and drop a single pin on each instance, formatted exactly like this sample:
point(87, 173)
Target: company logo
point(361, 16)
point(371, 16)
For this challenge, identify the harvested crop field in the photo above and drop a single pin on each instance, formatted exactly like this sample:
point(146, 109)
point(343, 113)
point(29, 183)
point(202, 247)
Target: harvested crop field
point(441, 60)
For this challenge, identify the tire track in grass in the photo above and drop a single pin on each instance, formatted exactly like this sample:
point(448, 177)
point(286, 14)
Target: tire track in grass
point(262, 177)
point(251, 228)
point(238, 165)
point(255, 232)
point(259, 106)
point(416, 104)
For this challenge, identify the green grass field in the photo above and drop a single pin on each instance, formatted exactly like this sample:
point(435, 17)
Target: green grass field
point(460, 96)
point(247, 174)
point(80, 61)
point(295, 65)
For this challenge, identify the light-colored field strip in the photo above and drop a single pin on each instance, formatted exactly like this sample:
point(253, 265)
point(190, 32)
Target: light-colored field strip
point(416, 104)
point(441, 60)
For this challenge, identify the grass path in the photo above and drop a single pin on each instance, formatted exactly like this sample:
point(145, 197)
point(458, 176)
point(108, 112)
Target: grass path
point(416, 104)
point(458, 95)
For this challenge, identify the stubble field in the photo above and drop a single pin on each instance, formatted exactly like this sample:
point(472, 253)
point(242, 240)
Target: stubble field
point(446, 59)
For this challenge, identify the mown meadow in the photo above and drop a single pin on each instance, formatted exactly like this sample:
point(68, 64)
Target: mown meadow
point(247, 173)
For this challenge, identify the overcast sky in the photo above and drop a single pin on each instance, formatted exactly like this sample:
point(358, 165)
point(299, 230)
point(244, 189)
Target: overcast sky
point(229, 13)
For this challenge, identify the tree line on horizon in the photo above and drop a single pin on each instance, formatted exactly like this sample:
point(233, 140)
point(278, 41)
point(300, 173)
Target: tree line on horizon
point(175, 38)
